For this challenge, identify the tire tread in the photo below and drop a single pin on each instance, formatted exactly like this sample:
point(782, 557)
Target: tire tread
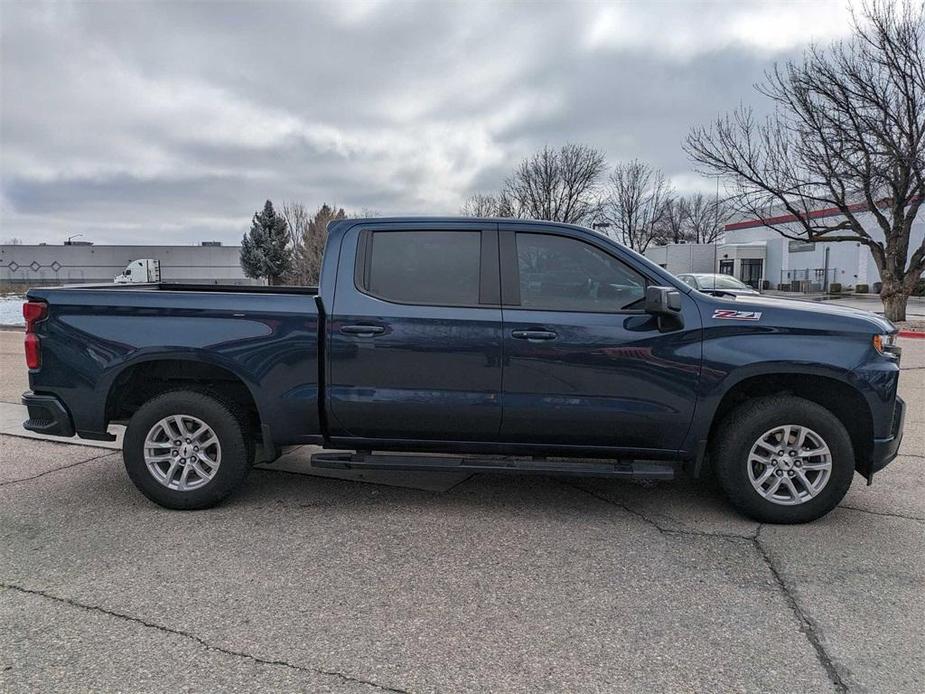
point(237, 448)
point(737, 434)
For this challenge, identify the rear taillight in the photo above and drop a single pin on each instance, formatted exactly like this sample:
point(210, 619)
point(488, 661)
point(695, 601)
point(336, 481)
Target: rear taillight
point(33, 312)
point(33, 351)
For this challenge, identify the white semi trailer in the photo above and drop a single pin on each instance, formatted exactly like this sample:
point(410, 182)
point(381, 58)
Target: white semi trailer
point(144, 270)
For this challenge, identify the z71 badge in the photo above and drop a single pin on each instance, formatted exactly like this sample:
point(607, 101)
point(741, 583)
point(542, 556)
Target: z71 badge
point(731, 314)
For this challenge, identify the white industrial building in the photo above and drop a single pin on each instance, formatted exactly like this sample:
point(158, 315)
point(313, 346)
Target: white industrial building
point(24, 265)
point(684, 257)
point(760, 256)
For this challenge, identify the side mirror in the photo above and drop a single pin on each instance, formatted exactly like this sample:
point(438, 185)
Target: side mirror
point(665, 304)
point(663, 301)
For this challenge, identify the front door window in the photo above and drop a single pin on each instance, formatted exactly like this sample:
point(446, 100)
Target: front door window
point(558, 273)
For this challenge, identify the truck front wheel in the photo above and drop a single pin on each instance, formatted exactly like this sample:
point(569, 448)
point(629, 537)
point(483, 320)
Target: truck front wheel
point(186, 450)
point(783, 459)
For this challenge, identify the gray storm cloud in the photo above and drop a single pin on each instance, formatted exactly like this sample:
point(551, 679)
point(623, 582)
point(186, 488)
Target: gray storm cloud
point(163, 122)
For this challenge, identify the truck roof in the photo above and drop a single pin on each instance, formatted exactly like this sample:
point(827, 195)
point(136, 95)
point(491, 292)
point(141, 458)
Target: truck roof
point(339, 227)
point(457, 219)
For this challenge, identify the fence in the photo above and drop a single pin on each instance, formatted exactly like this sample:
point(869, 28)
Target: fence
point(808, 281)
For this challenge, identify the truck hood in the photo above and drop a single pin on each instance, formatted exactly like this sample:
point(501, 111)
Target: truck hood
point(817, 314)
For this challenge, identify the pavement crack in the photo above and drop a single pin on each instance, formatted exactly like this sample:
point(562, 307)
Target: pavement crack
point(882, 513)
point(808, 626)
point(655, 524)
point(618, 504)
point(344, 677)
point(57, 469)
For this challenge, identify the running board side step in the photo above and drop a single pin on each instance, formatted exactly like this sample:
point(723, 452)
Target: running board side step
point(629, 469)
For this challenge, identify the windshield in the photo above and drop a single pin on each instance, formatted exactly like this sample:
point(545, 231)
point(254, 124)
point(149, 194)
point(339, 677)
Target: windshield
point(720, 282)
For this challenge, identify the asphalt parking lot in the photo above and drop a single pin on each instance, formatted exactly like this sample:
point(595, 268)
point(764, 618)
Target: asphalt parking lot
point(495, 583)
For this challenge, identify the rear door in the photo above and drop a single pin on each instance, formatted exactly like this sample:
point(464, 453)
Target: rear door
point(414, 339)
point(583, 364)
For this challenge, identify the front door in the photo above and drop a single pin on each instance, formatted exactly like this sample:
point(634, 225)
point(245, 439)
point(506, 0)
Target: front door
point(414, 338)
point(583, 364)
point(751, 271)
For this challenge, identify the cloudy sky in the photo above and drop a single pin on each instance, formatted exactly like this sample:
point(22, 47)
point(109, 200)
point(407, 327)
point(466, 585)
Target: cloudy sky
point(172, 122)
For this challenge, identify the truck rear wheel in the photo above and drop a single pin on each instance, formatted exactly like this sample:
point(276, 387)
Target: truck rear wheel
point(186, 450)
point(783, 459)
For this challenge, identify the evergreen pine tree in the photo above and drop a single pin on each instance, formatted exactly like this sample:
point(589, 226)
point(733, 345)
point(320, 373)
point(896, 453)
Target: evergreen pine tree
point(265, 251)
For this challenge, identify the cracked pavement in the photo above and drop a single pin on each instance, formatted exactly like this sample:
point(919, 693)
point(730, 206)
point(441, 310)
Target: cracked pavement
point(497, 583)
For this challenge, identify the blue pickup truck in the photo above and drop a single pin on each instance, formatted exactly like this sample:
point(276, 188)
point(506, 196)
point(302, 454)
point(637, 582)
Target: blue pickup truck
point(472, 344)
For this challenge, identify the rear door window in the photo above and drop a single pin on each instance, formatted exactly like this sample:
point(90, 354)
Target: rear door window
point(424, 267)
point(560, 273)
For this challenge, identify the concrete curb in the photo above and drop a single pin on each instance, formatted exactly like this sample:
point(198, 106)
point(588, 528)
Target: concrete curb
point(912, 333)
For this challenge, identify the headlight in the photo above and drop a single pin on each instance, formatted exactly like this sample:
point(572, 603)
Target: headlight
point(886, 345)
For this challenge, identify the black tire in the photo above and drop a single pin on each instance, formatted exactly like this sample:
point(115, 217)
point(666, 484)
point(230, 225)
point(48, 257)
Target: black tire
point(740, 430)
point(236, 449)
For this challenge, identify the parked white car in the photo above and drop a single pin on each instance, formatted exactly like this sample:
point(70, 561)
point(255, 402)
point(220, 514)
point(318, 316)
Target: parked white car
point(717, 284)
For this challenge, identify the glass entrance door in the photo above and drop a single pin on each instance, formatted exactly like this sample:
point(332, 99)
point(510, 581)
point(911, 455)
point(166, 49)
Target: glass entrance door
point(750, 271)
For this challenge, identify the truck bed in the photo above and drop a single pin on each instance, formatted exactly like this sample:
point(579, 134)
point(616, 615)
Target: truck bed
point(197, 287)
point(104, 343)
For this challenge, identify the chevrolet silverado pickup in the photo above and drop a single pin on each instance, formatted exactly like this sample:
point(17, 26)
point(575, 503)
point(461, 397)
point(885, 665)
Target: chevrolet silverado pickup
point(472, 344)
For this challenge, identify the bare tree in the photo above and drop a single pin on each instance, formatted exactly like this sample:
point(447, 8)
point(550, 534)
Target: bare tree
point(704, 218)
point(848, 133)
point(560, 185)
point(313, 233)
point(297, 217)
point(635, 203)
point(672, 227)
point(481, 205)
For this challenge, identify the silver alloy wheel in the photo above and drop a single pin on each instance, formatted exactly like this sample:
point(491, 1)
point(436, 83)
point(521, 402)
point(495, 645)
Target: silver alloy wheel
point(789, 464)
point(182, 452)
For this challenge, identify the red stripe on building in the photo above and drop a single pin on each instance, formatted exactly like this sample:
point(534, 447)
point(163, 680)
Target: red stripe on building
point(814, 214)
point(787, 218)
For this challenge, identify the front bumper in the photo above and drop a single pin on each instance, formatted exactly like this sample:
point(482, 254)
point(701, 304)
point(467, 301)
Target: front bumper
point(47, 415)
point(885, 450)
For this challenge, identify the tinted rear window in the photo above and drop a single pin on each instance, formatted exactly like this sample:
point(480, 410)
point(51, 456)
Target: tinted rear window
point(425, 267)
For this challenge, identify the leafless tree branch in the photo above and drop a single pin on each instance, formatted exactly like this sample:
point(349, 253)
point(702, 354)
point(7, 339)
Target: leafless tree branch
point(635, 204)
point(848, 133)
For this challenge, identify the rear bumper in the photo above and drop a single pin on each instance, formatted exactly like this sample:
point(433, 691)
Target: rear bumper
point(47, 415)
point(885, 450)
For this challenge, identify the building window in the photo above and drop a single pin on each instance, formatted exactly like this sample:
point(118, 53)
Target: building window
point(727, 267)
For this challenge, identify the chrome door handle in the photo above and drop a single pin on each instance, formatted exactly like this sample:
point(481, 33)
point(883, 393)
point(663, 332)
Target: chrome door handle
point(362, 330)
point(534, 335)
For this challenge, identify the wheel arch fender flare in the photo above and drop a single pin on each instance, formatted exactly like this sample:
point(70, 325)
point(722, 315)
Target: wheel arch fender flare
point(112, 379)
point(804, 379)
